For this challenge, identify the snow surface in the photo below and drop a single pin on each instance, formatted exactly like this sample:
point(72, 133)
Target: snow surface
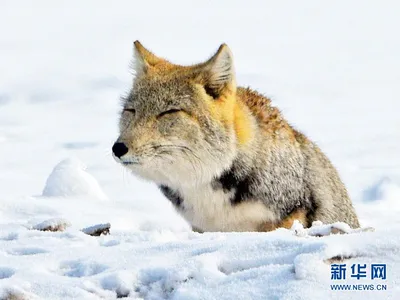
point(331, 67)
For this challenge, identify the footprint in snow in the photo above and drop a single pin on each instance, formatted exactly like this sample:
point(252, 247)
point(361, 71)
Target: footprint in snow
point(4, 99)
point(201, 251)
point(81, 268)
point(6, 272)
point(27, 251)
point(110, 243)
point(12, 236)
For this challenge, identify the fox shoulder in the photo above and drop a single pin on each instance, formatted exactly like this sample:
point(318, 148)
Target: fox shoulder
point(269, 118)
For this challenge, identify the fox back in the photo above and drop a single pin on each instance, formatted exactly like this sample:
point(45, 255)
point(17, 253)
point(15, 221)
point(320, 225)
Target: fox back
point(222, 154)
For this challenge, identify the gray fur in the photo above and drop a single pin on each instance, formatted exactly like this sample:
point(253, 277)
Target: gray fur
point(217, 183)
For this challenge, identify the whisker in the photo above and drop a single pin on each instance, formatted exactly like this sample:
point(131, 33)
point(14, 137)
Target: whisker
point(108, 153)
point(194, 160)
point(170, 153)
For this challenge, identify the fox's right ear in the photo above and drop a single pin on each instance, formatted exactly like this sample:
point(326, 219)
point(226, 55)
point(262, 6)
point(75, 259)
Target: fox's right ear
point(144, 59)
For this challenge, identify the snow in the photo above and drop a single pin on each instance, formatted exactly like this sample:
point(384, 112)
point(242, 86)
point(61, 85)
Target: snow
point(331, 67)
point(319, 229)
point(69, 178)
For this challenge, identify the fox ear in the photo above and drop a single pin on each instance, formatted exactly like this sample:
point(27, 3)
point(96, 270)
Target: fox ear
point(220, 72)
point(144, 59)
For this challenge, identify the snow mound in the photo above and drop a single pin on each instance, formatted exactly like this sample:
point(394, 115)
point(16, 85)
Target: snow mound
point(55, 224)
point(384, 190)
point(70, 178)
point(98, 229)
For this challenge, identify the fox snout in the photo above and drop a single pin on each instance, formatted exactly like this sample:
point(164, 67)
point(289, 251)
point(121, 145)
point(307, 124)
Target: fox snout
point(119, 149)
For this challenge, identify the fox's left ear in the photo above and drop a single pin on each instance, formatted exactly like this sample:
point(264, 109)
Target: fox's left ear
point(219, 72)
point(144, 59)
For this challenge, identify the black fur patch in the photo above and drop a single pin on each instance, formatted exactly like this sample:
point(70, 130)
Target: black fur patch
point(172, 195)
point(228, 182)
point(313, 207)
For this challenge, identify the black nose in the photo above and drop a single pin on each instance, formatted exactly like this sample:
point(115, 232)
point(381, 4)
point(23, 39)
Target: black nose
point(119, 149)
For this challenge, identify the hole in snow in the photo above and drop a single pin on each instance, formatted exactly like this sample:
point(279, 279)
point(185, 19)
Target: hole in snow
point(27, 251)
point(6, 272)
point(81, 268)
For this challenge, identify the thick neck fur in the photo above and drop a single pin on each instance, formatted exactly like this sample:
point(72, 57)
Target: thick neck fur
point(230, 201)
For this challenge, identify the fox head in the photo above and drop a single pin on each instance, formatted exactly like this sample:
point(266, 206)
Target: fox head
point(180, 125)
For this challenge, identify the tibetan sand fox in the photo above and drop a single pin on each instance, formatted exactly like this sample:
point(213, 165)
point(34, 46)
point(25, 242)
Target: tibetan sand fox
point(222, 154)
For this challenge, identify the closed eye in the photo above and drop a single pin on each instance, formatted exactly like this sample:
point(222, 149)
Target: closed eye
point(130, 110)
point(168, 112)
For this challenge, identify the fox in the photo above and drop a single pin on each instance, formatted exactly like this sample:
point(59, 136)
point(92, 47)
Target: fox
point(222, 154)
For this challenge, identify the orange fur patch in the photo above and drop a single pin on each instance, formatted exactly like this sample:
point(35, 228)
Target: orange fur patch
point(242, 123)
point(268, 117)
point(232, 115)
point(300, 215)
point(222, 109)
